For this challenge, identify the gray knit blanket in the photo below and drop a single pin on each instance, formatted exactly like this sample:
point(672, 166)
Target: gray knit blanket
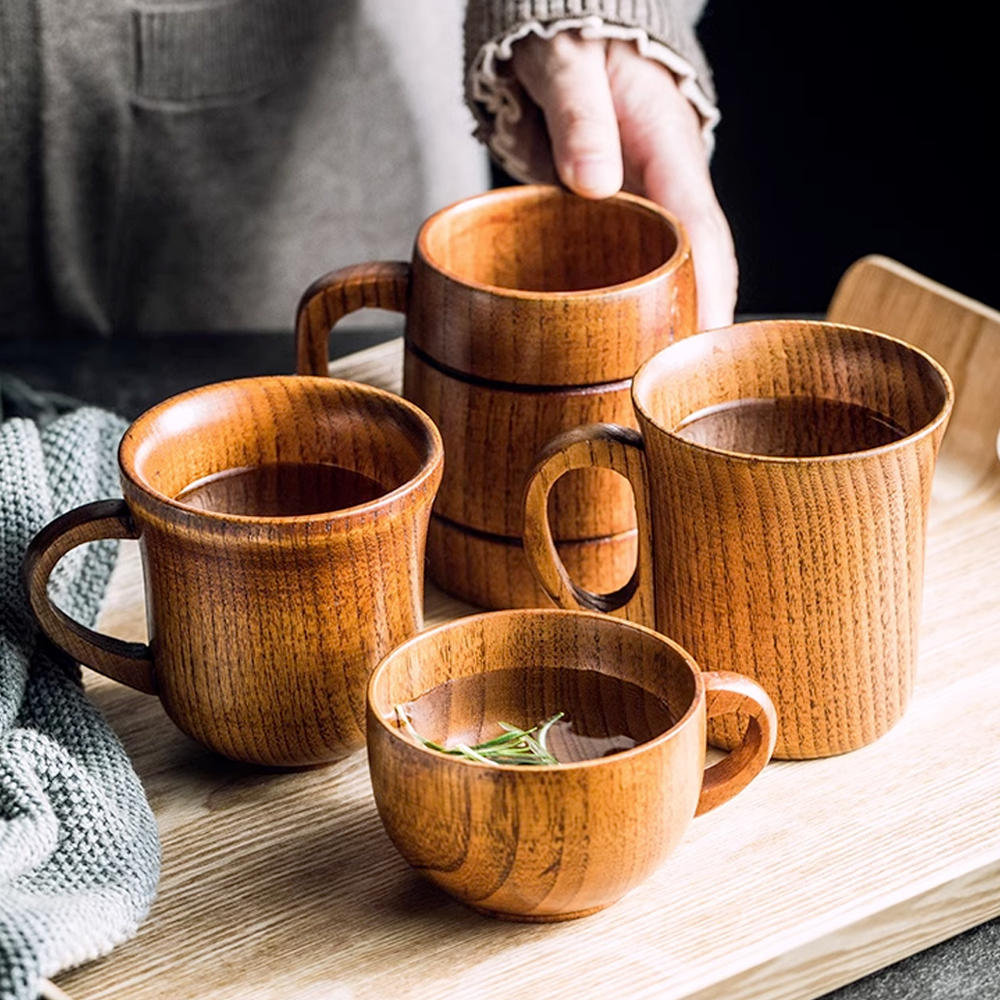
point(79, 851)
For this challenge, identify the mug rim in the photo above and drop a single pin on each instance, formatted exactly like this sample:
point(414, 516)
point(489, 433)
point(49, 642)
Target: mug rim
point(521, 192)
point(698, 700)
point(930, 427)
point(433, 460)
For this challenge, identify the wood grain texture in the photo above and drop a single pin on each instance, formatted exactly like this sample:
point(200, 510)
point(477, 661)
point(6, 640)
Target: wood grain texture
point(563, 841)
point(264, 628)
point(492, 434)
point(528, 311)
point(375, 285)
point(960, 333)
point(533, 285)
point(492, 571)
point(527, 284)
point(802, 572)
point(285, 884)
point(127, 662)
point(614, 448)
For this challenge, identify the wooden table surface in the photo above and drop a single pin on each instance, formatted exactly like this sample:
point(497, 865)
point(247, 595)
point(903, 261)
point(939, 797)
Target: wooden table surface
point(284, 885)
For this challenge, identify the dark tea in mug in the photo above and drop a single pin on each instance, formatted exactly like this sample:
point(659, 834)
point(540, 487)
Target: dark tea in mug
point(600, 714)
point(790, 427)
point(281, 489)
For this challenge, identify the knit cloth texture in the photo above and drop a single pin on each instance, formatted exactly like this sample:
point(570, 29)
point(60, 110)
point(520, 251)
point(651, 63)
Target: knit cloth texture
point(79, 849)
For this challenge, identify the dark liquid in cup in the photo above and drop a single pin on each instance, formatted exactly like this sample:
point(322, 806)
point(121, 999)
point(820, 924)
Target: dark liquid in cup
point(602, 714)
point(282, 489)
point(790, 427)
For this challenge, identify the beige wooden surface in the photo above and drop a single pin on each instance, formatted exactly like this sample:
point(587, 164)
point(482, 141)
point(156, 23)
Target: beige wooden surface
point(281, 885)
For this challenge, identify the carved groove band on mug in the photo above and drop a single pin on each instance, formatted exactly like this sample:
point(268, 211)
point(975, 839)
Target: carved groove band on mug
point(515, 542)
point(524, 387)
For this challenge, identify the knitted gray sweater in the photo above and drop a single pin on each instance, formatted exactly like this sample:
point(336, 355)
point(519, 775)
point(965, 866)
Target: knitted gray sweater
point(79, 851)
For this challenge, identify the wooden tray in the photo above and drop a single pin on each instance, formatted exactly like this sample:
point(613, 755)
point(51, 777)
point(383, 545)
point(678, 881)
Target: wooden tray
point(283, 885)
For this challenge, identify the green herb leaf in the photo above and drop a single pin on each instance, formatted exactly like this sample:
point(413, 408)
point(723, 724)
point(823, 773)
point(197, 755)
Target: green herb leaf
point(512, 746)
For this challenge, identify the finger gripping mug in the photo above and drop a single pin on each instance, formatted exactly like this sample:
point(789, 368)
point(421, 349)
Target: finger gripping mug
point(782, 474)
point(281, 523)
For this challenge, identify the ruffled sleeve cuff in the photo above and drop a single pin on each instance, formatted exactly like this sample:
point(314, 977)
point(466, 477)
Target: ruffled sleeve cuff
point(509, 122)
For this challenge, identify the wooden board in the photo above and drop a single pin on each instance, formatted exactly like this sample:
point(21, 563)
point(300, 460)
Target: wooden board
point(283, 885)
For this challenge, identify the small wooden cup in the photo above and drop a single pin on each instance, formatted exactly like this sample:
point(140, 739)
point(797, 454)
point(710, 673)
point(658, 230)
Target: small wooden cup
point(528, 310)
point(551, 842)
point(263, 629)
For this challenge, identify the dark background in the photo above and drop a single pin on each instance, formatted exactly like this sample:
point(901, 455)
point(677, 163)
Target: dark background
point(851, 129)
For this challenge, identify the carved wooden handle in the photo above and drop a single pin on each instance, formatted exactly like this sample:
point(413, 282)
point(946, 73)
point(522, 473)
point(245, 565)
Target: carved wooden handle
point(127, 662)
point(728, 693)
point(377, 285)
point(607, 446)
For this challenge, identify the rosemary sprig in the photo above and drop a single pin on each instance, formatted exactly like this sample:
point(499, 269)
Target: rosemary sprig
point(512, 746)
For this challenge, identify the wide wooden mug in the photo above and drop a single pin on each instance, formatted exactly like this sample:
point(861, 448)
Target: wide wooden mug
point(551, 841)
point(527, 311)
point(782, 474)
point(263, 626)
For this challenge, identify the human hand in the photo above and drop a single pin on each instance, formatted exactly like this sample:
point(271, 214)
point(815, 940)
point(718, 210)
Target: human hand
point(617, 119)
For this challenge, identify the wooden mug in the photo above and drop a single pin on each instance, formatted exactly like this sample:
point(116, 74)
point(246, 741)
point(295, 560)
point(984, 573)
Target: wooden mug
point(782, 475)
point(268, 603)
point(528, 310)
point(551, 841)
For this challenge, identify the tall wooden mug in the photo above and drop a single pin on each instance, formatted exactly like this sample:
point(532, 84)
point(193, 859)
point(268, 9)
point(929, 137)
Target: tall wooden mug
point(264, 624)
point(528, 310)
point(782, 475)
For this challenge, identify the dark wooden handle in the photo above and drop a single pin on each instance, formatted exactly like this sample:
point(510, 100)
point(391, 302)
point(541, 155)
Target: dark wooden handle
point(728, 693)
point(607, 446)
point(377, 285)
point(127, 662)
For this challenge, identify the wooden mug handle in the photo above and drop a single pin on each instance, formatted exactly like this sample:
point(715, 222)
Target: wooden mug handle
point(607, 446)
point(376, 285)
point(726, 693)
point(127, 662)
